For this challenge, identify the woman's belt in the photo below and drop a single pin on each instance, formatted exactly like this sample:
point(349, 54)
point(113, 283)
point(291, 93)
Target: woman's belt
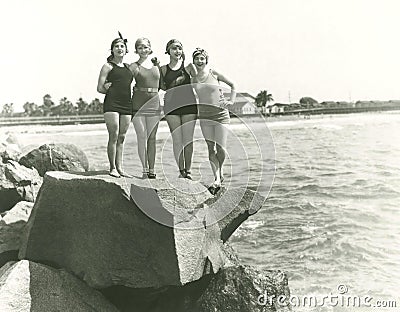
point(145, 89)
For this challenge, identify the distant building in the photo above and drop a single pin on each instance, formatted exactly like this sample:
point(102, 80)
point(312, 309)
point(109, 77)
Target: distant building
point(364, 104)
point(394, 103)
point(277, 108)
point(244, 104)
point(329, 104)
point(344, 104)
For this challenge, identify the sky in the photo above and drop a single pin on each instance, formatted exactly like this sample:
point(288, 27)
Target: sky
point(341, 50)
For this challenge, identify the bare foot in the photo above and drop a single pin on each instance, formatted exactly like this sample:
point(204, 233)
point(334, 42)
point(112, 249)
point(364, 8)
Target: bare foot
point(114, 173)
point(124, 174)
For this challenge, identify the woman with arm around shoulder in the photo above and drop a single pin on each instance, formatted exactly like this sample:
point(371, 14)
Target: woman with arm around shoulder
point(180, 106)
point(213, 112)
point(115, 82)
point(146, 105)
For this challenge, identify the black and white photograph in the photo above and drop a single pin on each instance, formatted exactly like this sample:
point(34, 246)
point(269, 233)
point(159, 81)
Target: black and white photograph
point(200, 156)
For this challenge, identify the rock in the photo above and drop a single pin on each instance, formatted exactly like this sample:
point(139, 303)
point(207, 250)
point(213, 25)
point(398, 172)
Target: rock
point(89, 225)
point(234, 288)
point(10, 149)
point(245, 289)
point(17, 183)
point(75, 152)
point(56, 157)
point(27, 286)
point(12, 224)
point(166, 299)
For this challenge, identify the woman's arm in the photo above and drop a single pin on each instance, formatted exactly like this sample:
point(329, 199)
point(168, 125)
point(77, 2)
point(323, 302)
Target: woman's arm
point(222, 78)
point(134, 68)
point(163, 71)
point(102, 84)
point(191, 70)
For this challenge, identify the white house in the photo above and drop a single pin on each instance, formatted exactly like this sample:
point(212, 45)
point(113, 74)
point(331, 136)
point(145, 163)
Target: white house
point(244, 104)
point(277, 108)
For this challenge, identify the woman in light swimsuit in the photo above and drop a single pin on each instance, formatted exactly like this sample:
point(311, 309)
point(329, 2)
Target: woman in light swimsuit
point(146, 105)
point(213, 112)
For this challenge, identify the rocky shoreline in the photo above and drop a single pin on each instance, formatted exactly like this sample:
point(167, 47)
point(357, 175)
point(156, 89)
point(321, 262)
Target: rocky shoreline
point(79, 240)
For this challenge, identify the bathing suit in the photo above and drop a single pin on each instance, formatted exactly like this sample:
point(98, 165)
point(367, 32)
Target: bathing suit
point(210, 96)
point(179, 98)
point(118, 96)
point(146, 102)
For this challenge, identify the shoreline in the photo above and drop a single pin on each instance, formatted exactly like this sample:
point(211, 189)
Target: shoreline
point(99, 119)
point(270, 121)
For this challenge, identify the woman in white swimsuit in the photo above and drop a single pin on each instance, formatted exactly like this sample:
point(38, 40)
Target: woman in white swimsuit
point(213, 112)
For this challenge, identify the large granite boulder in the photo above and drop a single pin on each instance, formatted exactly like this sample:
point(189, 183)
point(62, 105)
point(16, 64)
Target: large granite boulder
point(234, 288)
point(12, 224)
point(169, 298)
point(245, 289)
point(56, 157)
point(31, 287)
point(10, 149)
point(133, 233)
point(17, 183)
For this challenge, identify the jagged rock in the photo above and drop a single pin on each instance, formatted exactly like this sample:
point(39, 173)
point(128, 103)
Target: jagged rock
point(166, 235)
point(234, 288)
point(10, 148)
point(56, 157)
point(165, 299)
point(245, 289)
point(12, 224)
point(31, 287)
point(17, 183)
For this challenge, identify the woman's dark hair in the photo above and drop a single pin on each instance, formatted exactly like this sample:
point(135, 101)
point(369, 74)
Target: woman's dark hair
point(113, 43)
point(174, 42)
point(199, 51)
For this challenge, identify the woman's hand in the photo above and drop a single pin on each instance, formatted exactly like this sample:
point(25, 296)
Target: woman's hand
point(226, 104)
point(107, 85)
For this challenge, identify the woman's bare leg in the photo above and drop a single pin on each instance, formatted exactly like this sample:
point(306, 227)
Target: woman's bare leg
point(112, 123)
point(221, 136)
point(175, 127)
point(141, 133)
point(209, 133)
point(151, 127)
point(188, 125)
point(124, 122)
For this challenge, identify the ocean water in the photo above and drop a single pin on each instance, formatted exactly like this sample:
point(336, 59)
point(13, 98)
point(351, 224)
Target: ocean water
point(331, 220)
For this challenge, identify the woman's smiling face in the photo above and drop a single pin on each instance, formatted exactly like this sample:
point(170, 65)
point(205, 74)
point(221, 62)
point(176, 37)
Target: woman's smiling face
point(175, 51)
point(200, 60)
point(143, 49)
point(119, 49)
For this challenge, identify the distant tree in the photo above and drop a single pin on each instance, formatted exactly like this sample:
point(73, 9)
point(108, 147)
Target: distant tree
point(47, 105)
point(82, 107)
point(66, 107)
point(7, 110)
point(31, 109)
point(263, 98)
point(308, 101)
point(95, 107)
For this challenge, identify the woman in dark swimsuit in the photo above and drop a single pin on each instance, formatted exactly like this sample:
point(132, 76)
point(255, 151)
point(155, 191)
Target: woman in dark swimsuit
point(115, 82)
point(179, 106)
